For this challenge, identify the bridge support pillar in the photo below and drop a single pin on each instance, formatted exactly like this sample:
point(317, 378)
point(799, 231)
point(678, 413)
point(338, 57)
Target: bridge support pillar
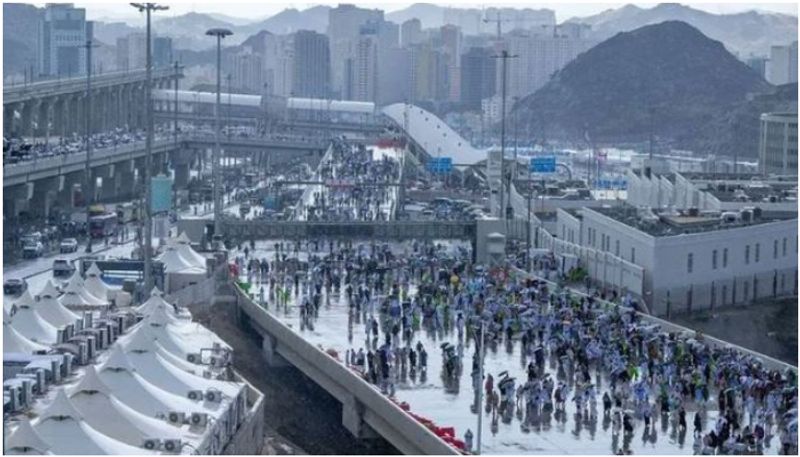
point(43, 197)
point(43, 117)
point(353, 419)
point(27, 119)
point(8, 118)
point(269, 346)
point(108, 187)
point(15, 201)
point(58, 117)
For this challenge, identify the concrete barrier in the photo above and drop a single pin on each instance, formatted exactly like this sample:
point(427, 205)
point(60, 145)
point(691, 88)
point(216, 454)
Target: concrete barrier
point(249, 437)
point(362, 403)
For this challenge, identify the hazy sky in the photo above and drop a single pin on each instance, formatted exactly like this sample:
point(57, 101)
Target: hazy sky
point(254, 10)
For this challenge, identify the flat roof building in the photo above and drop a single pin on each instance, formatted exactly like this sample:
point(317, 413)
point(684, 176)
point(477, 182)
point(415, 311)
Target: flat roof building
point(777, 151)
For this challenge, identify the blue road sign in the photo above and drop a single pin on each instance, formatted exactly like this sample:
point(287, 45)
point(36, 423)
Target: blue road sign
point(544, 164)
point(440, 165)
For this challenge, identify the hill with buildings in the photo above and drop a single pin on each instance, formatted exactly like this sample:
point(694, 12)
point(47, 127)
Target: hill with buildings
point(666, 78)
point(746, 33)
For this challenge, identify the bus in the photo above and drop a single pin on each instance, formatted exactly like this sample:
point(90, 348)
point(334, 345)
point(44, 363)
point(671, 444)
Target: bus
point(103, 225)
point(128, 212)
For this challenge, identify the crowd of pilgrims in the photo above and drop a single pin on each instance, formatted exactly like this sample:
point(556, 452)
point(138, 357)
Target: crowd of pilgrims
point(361, 198)
point(607, 361)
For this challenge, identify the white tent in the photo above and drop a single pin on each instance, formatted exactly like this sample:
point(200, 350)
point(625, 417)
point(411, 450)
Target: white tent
point(77, 297)
point(25, 299)
point(14, 341)
point(54, 312)
point(179, 271)
point(33, 326)
point(184, 247)
point(24, 440)
point(64, 428)
point(105, 413)
point(138, 392)
point(95, 285)
point(156, 301)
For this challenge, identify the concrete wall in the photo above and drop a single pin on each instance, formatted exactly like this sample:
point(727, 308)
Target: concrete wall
point(249, 438)
point(362, 403)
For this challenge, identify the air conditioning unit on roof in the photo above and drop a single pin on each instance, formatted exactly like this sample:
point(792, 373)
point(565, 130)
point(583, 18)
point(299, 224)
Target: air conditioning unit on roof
point(176, 417)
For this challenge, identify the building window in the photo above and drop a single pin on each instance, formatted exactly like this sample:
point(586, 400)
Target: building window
point(616, 248)
point(633, 255)
point(747, 255)
point(714, 259)
point(690, 262)
point(725, 258)
point(784, 247)
point(775, 249)
point(758, 251)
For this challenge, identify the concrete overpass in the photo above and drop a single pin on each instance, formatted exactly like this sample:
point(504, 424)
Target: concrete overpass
point(57, 107)
point(39, 185)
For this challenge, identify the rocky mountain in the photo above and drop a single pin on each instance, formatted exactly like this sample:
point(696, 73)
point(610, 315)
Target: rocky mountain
point(20, 25)
point(735, 131)
point(746, 33)
point(291, 20)
point(667, 76)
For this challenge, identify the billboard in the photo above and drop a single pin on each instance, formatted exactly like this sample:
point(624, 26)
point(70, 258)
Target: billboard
point(440, 165)
point(161, 194)
point(544, 164)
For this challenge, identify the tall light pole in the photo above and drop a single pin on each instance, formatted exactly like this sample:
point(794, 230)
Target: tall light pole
point(504, 55)
point(220, 34)
point(88, 197)
point(480, 389)
point(147, 242)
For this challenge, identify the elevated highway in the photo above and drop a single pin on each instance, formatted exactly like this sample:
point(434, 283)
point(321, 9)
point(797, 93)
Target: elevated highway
point(57, 107)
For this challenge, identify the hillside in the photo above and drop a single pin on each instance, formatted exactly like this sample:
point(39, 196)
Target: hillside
point(751, 32)
point(669, 75)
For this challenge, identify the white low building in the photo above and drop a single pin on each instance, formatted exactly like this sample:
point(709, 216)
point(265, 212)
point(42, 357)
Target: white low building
point(694, 260)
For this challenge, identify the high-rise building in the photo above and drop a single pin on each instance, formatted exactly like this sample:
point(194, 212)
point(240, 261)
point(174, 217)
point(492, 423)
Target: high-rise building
point(63, 32)
point(278, 61)
point(344, 30)
point(777, 152)
point(132, 51)
point(429, 74)
point(758, 64)
point(451, 44)
point(540, 56)
point(411, 33)
point(782, 66)
point(477, 77)
point(247, 71)
point(394, 78)
point(363, 72)
point(162, 51)
point(312, 65)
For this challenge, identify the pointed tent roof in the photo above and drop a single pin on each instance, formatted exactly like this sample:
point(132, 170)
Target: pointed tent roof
point(26, 437)
point(93, 271)
point(183, 238)
point(33, 326)
point(155, 301)
point(75, 294)
point(117, 360)
point(174, 262)
point(90, 382)
point(61, 407)
point(14, 341)
point(26, 298)
point(49, 290)
point(54, 312)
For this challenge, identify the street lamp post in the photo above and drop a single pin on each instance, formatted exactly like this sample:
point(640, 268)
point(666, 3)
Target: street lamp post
point(147, 242)
point(219, 33)
point(504, 213)
point(88, 197)
point(480, 390)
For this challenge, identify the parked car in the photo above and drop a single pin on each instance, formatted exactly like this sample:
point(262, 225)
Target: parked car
point(62, 268)
point(68, 245)
point(15, 287)
point(32, 249)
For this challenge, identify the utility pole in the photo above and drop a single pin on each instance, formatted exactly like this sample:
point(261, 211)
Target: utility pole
point(480, 389)
point(504, 213)
point(174, 135)
point(88, 197)
point(219, 33)
point(147, 243)
point(528, 238)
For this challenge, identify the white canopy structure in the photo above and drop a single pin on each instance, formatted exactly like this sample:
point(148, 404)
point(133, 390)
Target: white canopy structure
point(30, 324)
point(98, 405)
point(183, 245)
point(64, 428)
point(25, 299)
point(174, 262)
point(433, 134)
point(95, 285)
point(14, 341)
point(24, 440)
point(54, 312)
point(77, 297)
